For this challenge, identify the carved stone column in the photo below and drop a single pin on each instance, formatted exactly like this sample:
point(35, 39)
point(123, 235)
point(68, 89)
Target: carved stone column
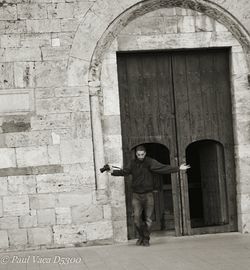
point(98, 147)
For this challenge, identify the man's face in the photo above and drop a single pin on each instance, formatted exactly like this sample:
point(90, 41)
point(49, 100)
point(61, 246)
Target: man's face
point(140, 155)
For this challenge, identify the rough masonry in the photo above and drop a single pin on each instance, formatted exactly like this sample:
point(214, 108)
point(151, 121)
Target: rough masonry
point(59, 108)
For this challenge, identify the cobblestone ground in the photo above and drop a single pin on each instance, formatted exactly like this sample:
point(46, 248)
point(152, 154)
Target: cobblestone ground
point(221, 251)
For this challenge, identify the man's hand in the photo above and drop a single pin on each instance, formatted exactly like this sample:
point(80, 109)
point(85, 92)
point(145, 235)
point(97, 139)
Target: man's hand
point(184, 167)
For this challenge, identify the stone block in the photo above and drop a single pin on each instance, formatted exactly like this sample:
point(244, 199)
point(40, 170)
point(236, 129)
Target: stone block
point(204, 23)
point(8, 12)
point(32, 11)
point(239, 63)
point(107, 213)
point(76, 151)
point(35, 40)
point(32, 156)
point(14, 101)
point(15, 123)
point(51, 121)
point(7, 223)
point(240, 101)
point(24, 74)
point(40, 236)
point(242, 172)
point(50, 74)
point(4, 241)
point(184, 11)
point(84, 48)
point(69, 25)
point(73, 199)
point(244, 203)
point(81, 8)
point(56, 139)
point(55, 42)
point(8, 158)
point(63, 183)
point(8, 41)
point(83, 173)
point(77, 74)
point(18, 237)
point(44, 93)
point(46, 169)
point(220, 27)
point(120, 231)
point(71, 91)
point(42, 201)
point(243, 125)
point(112, 124)
point(4, 186)
point(46, 217)
point(186, 24)
point(81, 123)
point(15, 27)
point(61, 10)
point(171, 41)
point(242, 151)
point(83, 214)
point(118, 213)
point(55, 53)
point(1, 208)
point(63, 215)
point(68, 234)
point(29, 220)
point(22, 54)
point(98, 230)
point(156, 25)
point(62, 39)
point(16, 205)
point(2, 55)
point(7, 74)
point(2, 27)
point(111, 144)
point(21, 184)
point(118, 196)
point(244, 223)
point(25, 139)
point(43, 26)
point(106, 10)
point(223, 39)
point(54, 154)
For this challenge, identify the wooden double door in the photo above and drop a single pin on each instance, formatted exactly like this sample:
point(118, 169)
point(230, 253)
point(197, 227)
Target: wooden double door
point(178, 104)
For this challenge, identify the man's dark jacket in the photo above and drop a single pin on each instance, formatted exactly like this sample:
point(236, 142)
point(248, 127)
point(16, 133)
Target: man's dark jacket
point(142, 173)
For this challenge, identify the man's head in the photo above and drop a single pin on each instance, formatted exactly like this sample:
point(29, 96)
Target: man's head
point(140, 152)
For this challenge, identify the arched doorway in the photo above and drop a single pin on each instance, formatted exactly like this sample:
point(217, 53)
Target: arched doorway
point(174, 98)
point(163, 216)
point(208, 202)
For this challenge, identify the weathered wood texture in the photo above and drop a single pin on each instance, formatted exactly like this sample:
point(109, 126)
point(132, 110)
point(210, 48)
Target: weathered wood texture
point(177, 98)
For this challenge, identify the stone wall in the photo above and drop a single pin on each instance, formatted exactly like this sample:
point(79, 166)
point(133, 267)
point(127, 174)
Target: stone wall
point(176, 28)
point(51, 96)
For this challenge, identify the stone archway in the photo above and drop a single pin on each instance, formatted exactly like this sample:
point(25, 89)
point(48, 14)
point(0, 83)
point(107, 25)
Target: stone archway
point(99, 42)
point(103, 34)
point(207, 8)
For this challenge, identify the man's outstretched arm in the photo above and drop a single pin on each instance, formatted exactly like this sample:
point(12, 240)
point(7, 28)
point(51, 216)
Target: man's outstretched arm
point(160, 168)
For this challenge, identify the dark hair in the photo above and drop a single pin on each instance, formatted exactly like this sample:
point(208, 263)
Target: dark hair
point(140, 148)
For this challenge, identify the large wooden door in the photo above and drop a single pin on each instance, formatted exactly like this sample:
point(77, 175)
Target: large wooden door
point(174, 99)
point(204, 115)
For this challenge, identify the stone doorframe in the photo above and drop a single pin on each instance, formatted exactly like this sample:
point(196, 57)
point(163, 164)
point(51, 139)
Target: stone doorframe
point(101, 25)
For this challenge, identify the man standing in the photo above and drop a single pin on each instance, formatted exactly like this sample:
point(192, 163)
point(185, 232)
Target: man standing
point(142, 169)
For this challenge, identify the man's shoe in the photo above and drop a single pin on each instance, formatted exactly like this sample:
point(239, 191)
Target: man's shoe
point(146, 243)
point(139, 242)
